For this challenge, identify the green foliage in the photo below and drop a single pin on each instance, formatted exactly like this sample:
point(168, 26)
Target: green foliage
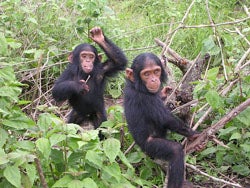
point(35, 38)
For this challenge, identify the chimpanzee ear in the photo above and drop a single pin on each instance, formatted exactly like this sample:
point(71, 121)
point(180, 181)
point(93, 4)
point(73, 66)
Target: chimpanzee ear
point(70, 57)
point(100, 57)
point(129, 74)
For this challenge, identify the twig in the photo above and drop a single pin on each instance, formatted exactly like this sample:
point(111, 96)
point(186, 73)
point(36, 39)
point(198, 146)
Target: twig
point(40, 173)
point(218, 40)
point(246, 10)
point(222, 93)
point(129, 148)
point(237, 67)
point(211, 177)
point(243, 36)
point(207, 133)
point(183, 78)
point(243, 66)
point(87, 79)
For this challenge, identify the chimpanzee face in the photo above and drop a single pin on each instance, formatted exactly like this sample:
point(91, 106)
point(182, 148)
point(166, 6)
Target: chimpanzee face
point(151, 76)
point(146, 73)
point(87, 59)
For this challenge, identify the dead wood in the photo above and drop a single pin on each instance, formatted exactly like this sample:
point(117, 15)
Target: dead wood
point(208, 133)
point(192, 70)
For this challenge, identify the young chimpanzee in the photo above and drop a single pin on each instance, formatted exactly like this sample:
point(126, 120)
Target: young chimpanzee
point(83, 82)
point(149, 120)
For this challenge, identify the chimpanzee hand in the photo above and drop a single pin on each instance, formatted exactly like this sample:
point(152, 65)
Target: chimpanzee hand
point(165, 92)
point(193, 138)
point(97, 35)
point(85, 87)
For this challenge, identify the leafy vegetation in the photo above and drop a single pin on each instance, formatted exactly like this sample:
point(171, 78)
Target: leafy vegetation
point(38, 148)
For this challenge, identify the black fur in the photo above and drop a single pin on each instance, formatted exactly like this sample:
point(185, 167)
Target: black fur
point(149, 120)
point(89, 105)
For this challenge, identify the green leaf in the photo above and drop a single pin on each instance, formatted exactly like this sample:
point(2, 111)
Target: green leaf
point(134, 157)
point(7, 73)
point(246, 147)
point(32, 20)
point(75, 184)
point(94, 158)
point(88, 182)
point(4, 45)
point(3, 137)
point(112, 171)
point(213, 99)
point(235, 136)
point(212, 73)
point(26, 144)
point(12, 174)
point(43, 146)
point(241, 169)
point(209, 151)
point(210, 47)
point(115, 93)
point(56, 138)
point(3, 157)
point(111, 148)
point(63, 181)
point(125, 160)
point(44, 121)
point(12, 92)
point(31, 172)
point(19, 122)
point(244, 117)
point(226, 131)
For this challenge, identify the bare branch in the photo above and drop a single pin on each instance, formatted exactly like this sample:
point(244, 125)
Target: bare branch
point(207, 133)
point(211, 177)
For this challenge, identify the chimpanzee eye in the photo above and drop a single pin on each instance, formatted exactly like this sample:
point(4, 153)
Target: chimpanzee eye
point(146, 74)
point(157, 71)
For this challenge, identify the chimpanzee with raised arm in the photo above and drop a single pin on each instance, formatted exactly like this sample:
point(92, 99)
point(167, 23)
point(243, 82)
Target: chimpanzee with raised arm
point(83, 82)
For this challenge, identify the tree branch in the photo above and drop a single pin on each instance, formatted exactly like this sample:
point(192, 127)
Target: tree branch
point(207, 133)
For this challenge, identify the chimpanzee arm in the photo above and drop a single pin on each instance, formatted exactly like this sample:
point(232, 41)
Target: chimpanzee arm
point(65, 87)
point(116, 59)
point(175, 124)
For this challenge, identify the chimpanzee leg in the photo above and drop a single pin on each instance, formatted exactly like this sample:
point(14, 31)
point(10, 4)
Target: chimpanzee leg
point(171, 151)
point(75, 118)
point(100, 117)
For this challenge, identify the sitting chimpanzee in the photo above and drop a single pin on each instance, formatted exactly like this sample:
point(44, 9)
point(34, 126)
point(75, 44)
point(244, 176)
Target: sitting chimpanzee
point(149, 120)
point(83, 82)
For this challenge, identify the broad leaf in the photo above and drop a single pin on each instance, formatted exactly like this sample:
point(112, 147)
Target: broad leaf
point(3, 137)
point(56, 138)
point(3, 157)
point(244, 117)
point(111, 148)
point(12, 174)
point(112, 171)
point(94, 158)
point(214, 99)
point(75, 184)
point(63, 181)
point(43, 146)
point(88, 182)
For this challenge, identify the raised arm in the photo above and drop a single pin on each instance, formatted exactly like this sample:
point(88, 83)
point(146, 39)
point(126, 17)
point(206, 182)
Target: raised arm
point(116, 59)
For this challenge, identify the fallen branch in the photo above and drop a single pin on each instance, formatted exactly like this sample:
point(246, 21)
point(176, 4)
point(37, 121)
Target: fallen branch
point(211, 177)
point(207, 134)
